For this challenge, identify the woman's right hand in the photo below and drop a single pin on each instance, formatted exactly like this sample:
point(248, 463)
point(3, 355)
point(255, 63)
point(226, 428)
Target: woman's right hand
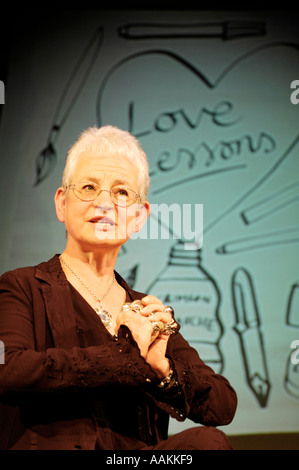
point(140, 327)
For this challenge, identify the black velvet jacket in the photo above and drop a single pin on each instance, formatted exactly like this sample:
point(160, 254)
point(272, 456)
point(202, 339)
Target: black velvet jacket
point(68, 384)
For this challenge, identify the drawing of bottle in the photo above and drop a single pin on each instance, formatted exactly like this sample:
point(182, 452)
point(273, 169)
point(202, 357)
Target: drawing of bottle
point(190, 290)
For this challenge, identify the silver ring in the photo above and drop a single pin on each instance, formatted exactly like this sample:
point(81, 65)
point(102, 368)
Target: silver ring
point(126, 307)
point(168, 309)
point(170, 328)
point(136, 306)
point(157, 326)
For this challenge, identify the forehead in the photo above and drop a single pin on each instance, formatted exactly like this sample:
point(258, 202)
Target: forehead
point(97, 167)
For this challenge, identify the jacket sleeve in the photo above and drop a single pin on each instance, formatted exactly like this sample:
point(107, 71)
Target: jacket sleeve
point(204, 396)
point(26, 369)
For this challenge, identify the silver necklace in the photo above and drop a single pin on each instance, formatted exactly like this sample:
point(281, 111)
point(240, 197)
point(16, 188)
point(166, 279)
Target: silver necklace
point(103, 313)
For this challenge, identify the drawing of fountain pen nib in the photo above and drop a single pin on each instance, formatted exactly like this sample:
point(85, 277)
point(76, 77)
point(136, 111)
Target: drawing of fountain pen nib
point(260, 388)
point(223, 29)
point(248, 328)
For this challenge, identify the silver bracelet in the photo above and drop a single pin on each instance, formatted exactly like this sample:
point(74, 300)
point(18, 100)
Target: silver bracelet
point(168, 381)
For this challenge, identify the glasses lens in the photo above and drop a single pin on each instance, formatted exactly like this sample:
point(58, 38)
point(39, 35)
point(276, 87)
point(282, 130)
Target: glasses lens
point(86, 191)
point(120, 196)
point(123, 196)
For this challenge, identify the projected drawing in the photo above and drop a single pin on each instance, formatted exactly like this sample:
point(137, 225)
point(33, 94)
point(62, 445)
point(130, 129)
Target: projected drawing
point(271, 204)
point(292, 313)
point(291, 378)
point(225, 30)
point(203, 138)
point(189, 288)
point(217, 142)
point(248, 326)
point(174, 121)
point(265, 240)
point(46, 159)
point(130, 275)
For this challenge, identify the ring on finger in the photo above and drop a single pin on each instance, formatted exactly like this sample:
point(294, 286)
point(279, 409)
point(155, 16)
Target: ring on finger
point(136, 306)
point(168, 309)
point(126, 306)
point(170, 328)
point(157, 326)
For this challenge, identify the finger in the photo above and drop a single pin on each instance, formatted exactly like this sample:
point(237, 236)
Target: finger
point(151, 299)
point(152, 308)
point(136, 305)
point(160, 316)
point(163, 337)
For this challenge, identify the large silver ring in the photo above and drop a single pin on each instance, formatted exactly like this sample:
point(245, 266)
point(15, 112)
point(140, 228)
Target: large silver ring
point(136, 306)
point(126, 306)
point(168, 309)
point(170, 328)
point(157, 326)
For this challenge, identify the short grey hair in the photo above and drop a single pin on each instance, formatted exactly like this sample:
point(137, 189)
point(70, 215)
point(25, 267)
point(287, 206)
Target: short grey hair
point(109, 141)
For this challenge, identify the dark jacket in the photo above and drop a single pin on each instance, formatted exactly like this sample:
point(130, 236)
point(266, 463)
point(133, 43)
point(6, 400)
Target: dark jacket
point(64, 386)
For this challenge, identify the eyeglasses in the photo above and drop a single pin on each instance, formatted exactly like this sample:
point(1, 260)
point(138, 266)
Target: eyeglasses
point(87, 191)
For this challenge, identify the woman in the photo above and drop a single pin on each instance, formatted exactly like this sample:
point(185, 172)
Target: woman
point(89, 363)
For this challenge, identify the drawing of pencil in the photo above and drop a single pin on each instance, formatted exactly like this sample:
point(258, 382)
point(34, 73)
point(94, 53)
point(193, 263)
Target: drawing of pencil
point(292, 315)
point(224, 29)
point(271, 204)
point(265, 240)
point(248, 328)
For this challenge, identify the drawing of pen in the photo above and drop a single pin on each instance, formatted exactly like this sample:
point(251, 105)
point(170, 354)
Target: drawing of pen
point(224, 30)
point(265, 240)
point(248, 328)
point(271, 204)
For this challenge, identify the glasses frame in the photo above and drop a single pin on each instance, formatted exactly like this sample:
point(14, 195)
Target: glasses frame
point(135, 199)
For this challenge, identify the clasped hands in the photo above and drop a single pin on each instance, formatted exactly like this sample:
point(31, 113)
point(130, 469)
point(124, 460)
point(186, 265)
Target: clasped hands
point(151, 323)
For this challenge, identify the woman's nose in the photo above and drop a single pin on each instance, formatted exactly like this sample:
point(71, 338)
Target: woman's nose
point(104, 200)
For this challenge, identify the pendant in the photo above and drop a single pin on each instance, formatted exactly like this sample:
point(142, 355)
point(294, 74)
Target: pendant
point(104, 315)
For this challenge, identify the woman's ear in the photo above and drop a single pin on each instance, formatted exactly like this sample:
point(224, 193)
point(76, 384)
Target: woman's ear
point(59, 200)
point(142, 214)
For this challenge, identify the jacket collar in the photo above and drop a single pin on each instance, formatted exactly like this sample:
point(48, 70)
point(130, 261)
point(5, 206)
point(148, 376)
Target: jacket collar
point(52, 273)
point(58, 301)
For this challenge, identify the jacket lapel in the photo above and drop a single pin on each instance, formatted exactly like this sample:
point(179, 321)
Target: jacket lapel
point(58, 303)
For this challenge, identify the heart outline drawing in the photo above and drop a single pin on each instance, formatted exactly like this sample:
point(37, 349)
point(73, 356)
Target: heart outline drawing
point(211, 85)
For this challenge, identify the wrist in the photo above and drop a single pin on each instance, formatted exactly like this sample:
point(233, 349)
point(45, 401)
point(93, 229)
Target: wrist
point(164, 370)
point(170, 384)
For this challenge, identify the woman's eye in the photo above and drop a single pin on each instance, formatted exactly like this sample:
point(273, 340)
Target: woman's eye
point(121, 191)
point(88, 187)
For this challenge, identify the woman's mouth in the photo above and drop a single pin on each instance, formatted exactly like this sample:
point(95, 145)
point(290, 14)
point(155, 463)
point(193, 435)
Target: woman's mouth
point(103, 223)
